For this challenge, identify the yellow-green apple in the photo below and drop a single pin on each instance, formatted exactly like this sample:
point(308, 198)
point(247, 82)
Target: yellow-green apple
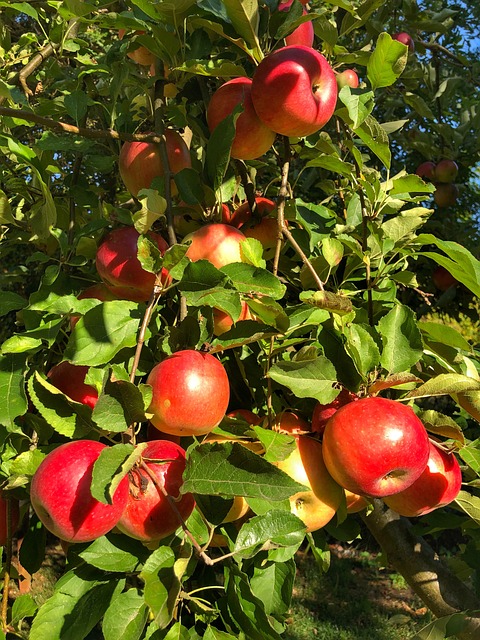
point(426, 170)
point(304, 34)
point(252, 138)
point(61, 496)
point(294, 91)
point(305, 464)
point(348, 78)
point(406, 39)
point(222, 322)
point(98, 291)
point(446, 170)
point(190, 393)
point(445, 194)
point(149, 515)
point(140, 55)
point(14, 516)
point(323, 412)
point(443, 279)
point(218, 243)
point(141, 162)
point(375, 446)
point(70, 380)
point(119, 267)
point(438, 485)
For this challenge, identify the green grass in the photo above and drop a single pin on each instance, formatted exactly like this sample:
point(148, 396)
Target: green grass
point(355, 600)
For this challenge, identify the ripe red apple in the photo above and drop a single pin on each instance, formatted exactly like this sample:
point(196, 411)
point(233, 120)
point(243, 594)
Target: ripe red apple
point(445, 194)
point(99, 291)
point(426, 170)
point(119, 267)
point(446, 171)
point(61, 496)
point(265, 231)
point(375, 446)
point(140, 162)
point(15, 517)
point(347, 78)
point(443, 279)
point(294, 91)
point(406, 39)
point(140, 55)
point(252, 138)
point(148, 515)
point(246, 415)
point(243, 213)
point(323, 412)
point(290, 422)
point(304, 34)
point(70, 380)
point(222, 322)
point(190, 393)
point(218, 242)
point(306, 465)
point(438, 485)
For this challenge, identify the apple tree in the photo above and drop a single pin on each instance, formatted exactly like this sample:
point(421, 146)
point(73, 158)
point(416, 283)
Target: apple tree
point(212, 252)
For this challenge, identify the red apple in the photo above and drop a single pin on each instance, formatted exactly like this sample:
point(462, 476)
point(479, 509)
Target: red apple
point(149, 515)
point(446, 171)
point(190, 393)
point(438, 485)
point(323, 412)
point(119, 267)
point(304, 34)
point(140, 162)
point(246, 415)
point(426, 170)
point(347, 78)
point(406, 39)
point(294, 91)
point(291, 423)
point(266, 232)
point(98, 291)
point(243, 213)
point(252, 138)
point(375, 446)
point(218, 242)
point(15, 517)
point(305, 464)
point(70, 380)
point(355, 503)
point(61, 496)
point(443, 279)
point(222, 322)
point(140, 55)
point(445, 194)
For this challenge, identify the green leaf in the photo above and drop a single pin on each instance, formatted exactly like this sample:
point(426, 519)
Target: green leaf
point(20, 344)
point(362, 348)
point(308, 378)
point(332, 163)
point(471, 455)
point(269, 312)
point(272, 583)
point(69, 418)
point(401, 227)
point(10, 301)
point(117, 553)
point(13, 401)
point(126, 617)
point(80, 599)
point(24, 606)
point(218, 149)
point(76, 104)
point(401, 338)
point(441, 425)
point(359, 105)
point(470, 505)
point(110, 468)
point(277, 528)
point(102, 332)
point(6, 215)
point(443, 384)
point(245, 18)
point(217, 68)
point(229, 469)
point(120, 405)
point(387, 61)
point(445, 334)
point(444, 627)
point(249, 279)
point(374, 136)
point(215, 634)
point(251, 251)
point(278, 446)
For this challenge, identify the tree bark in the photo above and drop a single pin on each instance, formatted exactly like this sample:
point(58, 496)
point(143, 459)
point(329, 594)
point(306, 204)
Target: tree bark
point(442, 592)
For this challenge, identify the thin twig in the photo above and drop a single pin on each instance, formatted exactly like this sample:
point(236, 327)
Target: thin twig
point(248, 186)
point(7, 566)
point(434, 46)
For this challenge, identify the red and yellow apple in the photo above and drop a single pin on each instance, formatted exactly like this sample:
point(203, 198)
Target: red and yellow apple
point(291, 423)
point(375, 446)
point(61, 496)
point(218, 243)
point(252, 138)
point(119, 267)
point(426, 170)
point(323, 412)
point(70, 380)
point(348, 78)
point(190, 393)
point(243, 213)
point(294, 91)
point(222, 322)
point(446, 171)
point(438, 485)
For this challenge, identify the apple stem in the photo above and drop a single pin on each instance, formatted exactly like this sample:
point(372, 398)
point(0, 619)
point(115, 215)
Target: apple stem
point(7, 567)
point(208, 561)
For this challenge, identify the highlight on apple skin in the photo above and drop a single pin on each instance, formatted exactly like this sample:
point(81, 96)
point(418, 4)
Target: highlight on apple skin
point(294, 91)
point(252, 138)
point(375, 446)
point(219, 243)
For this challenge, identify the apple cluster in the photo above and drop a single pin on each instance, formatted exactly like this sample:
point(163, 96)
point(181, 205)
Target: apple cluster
point(443, 176)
